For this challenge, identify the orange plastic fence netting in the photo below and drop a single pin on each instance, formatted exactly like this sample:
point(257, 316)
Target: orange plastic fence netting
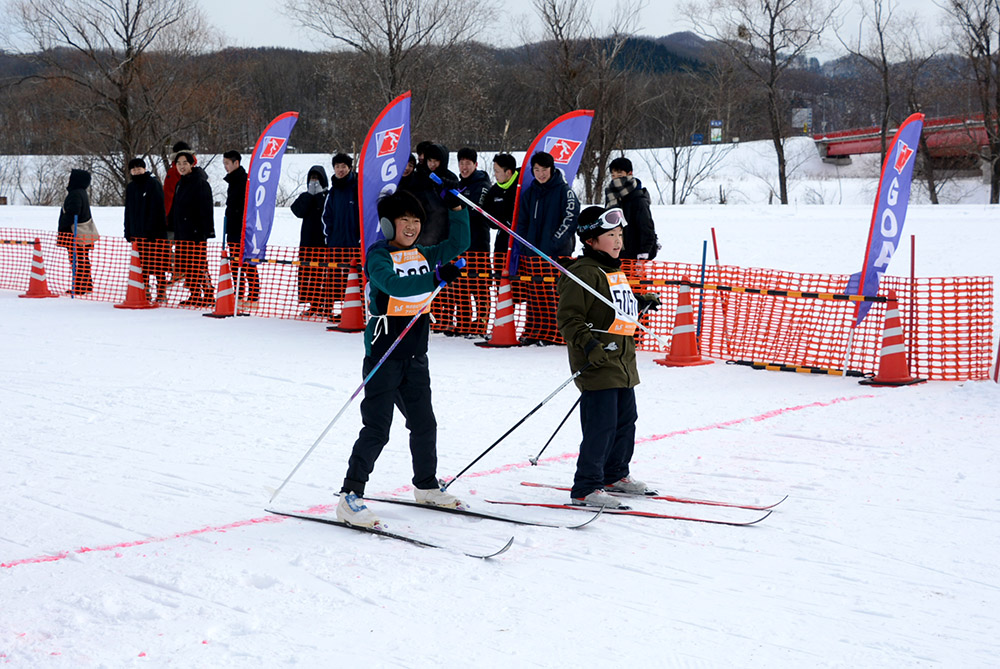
point(948, 323)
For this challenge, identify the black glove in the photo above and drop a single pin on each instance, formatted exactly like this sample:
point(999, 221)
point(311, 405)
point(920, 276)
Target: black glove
point(648, 302)
point(450, 199)
point(447, 273)
point(596, 354)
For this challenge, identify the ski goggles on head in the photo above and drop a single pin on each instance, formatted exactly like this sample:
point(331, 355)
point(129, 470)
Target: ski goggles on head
point(611, 219)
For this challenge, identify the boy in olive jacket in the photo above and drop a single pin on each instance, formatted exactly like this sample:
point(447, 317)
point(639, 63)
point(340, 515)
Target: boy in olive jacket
point(602, 349)
point(401, 277)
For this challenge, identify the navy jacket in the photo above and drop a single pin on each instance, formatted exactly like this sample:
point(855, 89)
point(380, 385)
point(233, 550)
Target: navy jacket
point(547, 216)
point(475, 188)
point(236, 199)
point(145, 215)
point(340, 214)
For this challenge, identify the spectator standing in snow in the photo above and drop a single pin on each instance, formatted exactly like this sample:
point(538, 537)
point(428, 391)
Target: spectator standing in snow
point(499, 202)
point(341, 225)
point(312, 244)
point(247, 276)
point(401, 277)
point(170, 181)
point(146, 224)
point(474, 183)
point(601, 347)
point(77, 232)
point(192, 217)
point(547, 219)
point(627, 193)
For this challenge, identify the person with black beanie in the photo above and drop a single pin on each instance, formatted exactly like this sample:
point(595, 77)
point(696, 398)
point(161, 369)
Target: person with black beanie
point(601, 348)
point(342, 227)
point(146, 224)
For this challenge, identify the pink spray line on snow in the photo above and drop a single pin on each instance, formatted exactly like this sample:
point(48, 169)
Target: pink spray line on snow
point(326, 507)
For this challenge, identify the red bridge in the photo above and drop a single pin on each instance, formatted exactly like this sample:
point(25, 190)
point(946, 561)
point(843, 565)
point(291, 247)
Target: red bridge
point(953, 139)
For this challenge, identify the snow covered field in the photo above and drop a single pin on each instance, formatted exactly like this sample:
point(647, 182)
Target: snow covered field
point(136, 450)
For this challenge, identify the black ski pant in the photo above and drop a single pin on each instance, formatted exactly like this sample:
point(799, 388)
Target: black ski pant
point(405, 384)
point(608, 421)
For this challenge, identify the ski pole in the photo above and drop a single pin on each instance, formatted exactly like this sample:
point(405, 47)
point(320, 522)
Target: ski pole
point(460, 263)
point(534, 460)
point(517, 425)
point(589, 289)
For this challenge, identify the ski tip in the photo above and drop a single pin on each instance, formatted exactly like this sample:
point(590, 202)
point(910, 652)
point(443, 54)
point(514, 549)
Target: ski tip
point(754, 522)
point(510, 542)
point(778, 502)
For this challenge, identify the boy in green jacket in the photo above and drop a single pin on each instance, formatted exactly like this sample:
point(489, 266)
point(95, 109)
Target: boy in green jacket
point(602, 349)
point(401, 277)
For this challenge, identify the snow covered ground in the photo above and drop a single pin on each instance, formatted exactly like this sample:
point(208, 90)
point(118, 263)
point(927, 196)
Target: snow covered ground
point(136, 449)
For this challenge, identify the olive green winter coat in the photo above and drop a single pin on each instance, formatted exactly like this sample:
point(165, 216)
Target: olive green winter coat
point(580, 313)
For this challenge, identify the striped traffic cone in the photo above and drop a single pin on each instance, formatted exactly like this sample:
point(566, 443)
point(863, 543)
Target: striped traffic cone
point(893, 370)
point(684, 346)
point(504, 333)
point(38, 285)
point(352, 316)
point(135, 297)
point(225, 297)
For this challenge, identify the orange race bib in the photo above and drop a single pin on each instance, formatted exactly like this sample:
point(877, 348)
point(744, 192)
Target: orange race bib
point(624, 299)
point(408, 262)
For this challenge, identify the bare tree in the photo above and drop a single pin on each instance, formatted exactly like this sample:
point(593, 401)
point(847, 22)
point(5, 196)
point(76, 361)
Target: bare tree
point(393, 35)
point(587, 66)
point(767, 37)
point(873, 46)
point(977, 31)
point(114, 64)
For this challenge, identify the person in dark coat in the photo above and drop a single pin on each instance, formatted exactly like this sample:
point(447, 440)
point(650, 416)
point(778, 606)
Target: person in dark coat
point(192, 216)
point(342, 226)
point(247, 277)
point(499, 202)
point(75, 213)
point(146, 224)
point(601, 349)
point(627, 193)
point(312, 242)
point(174, 264)
point(472, 294)
point(547, 219)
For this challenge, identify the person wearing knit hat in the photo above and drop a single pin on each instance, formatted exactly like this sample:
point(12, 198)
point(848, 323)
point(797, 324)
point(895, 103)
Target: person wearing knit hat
point(146, 224)
point(342, 227)
point(601, 348)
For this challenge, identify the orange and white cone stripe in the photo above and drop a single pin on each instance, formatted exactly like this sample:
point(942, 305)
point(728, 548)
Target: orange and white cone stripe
point(38, 285)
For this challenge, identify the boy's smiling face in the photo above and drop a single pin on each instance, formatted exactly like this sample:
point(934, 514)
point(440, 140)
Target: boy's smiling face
point(407, 231)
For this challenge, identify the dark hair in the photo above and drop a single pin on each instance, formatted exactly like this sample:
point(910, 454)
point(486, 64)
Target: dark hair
point(468, 153)
point(136, 162)
point(543, 159)
point(435, 152)
point(343, 159)
point(505, 161)
point(422, 147)
point(181, 146)
point(233, 155)
point(412, 160)
point(399, 204)
point(621, 164)
point(187, 154)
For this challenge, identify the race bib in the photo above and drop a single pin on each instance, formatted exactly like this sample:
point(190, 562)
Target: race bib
point(409, 262)
point(624, 299)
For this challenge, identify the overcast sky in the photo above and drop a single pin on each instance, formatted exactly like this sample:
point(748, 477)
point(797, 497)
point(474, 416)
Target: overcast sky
point(261, 23)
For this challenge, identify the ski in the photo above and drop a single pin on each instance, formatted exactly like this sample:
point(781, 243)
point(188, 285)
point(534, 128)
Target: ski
point(486, 515)
point(672, 498)
point(626, 511)
point(386, 533)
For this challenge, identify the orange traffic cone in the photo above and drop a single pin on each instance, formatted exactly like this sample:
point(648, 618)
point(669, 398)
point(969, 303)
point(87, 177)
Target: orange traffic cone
point(38, 285)
point(135, 297)
point(225, 297)
point(504, 333)
point(893, 370)
point(352, 316)
point(684, 346)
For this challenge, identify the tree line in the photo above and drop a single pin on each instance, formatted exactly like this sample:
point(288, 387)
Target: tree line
point(111, 80)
